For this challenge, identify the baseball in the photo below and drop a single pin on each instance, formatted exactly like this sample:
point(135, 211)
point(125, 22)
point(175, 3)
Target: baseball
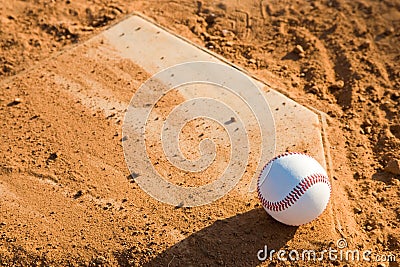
point(294, 188)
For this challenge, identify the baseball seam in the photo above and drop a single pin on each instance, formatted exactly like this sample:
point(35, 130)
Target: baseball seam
point(296, 192)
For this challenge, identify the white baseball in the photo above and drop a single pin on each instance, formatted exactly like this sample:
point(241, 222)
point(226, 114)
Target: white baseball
point(294, 188)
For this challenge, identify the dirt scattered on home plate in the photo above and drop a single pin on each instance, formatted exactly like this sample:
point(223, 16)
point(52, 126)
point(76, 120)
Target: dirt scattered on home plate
point(67, 197)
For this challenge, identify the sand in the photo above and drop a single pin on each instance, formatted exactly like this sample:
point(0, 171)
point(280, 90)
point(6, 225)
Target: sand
point(67, 197)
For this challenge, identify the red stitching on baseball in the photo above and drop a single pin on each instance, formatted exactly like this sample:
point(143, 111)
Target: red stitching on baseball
point(296, 192)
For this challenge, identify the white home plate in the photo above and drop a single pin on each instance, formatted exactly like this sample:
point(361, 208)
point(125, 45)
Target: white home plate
point(228, 123)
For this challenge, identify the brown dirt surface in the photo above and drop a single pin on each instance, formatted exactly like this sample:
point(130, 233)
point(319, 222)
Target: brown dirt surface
point(67, 198)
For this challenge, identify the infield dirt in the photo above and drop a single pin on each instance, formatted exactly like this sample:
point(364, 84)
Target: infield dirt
point(67, 197)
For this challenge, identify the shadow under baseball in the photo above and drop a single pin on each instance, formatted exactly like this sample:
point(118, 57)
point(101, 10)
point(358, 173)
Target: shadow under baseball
point(234, 241)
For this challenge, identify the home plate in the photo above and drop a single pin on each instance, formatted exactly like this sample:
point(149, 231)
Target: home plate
point(284, 125)
point(187, 115)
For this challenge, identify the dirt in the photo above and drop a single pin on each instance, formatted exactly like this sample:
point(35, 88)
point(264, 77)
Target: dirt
point(67, 196)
